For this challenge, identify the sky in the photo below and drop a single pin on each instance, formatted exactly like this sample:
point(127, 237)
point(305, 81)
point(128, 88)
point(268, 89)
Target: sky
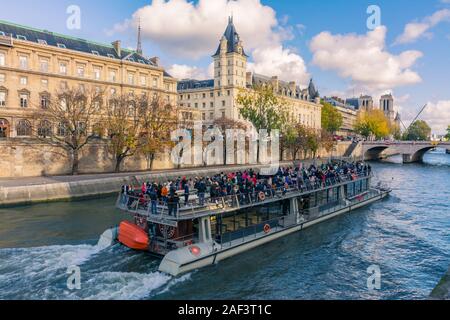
point(344, 45)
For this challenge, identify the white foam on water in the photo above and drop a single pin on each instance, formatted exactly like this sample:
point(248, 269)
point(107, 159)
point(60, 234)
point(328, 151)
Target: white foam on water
point(120, 286)
point(176, 281)
point(26, 272)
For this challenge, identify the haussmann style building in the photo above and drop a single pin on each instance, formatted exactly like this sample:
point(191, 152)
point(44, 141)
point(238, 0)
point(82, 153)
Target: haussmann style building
point(34, 64)
point(216, 98)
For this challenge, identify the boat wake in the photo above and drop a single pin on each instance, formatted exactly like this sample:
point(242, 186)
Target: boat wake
point(106, 273)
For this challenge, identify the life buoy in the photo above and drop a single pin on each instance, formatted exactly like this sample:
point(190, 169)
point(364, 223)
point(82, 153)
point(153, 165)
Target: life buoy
point(267, 228)
point(169, 231)
point(140, 221)
point(262, 196)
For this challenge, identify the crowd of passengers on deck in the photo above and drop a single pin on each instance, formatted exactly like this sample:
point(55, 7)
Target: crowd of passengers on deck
point(244, 186)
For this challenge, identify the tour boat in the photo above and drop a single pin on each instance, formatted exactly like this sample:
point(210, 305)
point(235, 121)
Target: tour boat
point(199, 235)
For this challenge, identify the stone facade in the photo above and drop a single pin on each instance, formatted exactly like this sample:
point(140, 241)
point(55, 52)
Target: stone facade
point(216, 97)
point(31, 71)
point(35, 64)
point(24, 157)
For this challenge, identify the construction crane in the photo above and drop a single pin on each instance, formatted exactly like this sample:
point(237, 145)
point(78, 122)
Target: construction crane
point(415, 119)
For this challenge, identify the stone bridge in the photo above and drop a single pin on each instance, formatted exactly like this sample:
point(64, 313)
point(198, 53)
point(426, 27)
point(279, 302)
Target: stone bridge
point(412, 151)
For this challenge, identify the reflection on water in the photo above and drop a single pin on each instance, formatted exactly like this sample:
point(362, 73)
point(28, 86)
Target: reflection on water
point(406, 235)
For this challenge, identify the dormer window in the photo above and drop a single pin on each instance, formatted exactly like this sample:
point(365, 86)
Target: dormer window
point(111, 56)
point(141, 61)
point(40, 41)
point(2, 33)
point(20, 37)
point(61, 45)
point(95, 53)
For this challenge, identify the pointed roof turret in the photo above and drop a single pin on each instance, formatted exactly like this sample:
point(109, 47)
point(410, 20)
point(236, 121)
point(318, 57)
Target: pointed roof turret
point(139, 42)
point(233, 39)
point(312, 91)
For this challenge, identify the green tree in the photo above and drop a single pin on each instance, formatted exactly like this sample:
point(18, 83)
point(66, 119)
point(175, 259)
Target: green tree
point(263, 108)
point(288, 141)
point(418, 131)
point(313, 141)
point(331, 118)
point(447, 136)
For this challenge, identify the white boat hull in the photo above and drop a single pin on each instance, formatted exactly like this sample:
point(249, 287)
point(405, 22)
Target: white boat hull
point(182, 260)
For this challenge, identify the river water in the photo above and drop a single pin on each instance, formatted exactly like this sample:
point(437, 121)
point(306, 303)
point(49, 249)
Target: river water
point(406, 235)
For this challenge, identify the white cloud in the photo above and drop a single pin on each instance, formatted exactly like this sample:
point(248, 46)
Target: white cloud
point(364, 60)
point(437, 115)
point(416, 30)
point(187, 72)
point(183, 28)
point(279, 61)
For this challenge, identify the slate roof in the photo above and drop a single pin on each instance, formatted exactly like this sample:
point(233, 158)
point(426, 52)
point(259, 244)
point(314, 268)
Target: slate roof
point(232, 37)
point(189, 84)
point(45, 37)
point(258, 79)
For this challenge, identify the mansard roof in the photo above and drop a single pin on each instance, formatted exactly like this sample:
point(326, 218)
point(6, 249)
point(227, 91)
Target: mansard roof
point(190, 84)
point(258, 79)
point(71, 43)
point(233, 39)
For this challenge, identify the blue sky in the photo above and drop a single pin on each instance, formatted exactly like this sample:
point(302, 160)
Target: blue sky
point(290, 30)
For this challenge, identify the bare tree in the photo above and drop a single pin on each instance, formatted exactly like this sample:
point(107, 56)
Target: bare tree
point(73, 112)
point(125, 125)
point(224, 124)
point(159, 118)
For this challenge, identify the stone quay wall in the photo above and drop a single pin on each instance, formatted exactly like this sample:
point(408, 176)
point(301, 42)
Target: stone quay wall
point(30, 158)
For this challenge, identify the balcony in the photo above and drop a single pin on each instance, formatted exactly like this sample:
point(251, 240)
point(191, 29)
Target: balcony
point(6, 41)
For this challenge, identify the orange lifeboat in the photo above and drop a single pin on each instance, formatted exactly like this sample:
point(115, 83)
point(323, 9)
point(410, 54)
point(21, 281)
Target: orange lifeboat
point(132, 236)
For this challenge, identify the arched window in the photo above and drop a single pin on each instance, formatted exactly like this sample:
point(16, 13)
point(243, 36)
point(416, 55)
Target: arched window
point(4, 128)
point(23, 128)
point(44, 129)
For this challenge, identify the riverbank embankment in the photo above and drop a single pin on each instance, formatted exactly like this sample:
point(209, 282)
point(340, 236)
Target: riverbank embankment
point(65, 188)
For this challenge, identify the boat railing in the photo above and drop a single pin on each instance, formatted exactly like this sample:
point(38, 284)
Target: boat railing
point(318, 212)
point(164, 209)
point(243, 235)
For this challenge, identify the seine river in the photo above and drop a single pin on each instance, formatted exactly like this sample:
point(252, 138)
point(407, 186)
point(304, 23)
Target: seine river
point(407, 236)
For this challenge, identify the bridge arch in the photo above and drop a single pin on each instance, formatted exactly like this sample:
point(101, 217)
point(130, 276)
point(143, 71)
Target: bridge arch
point(374, 152)
point(417, 156)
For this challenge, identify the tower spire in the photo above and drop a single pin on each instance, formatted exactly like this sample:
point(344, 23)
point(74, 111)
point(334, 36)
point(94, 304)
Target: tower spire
point(139, 42)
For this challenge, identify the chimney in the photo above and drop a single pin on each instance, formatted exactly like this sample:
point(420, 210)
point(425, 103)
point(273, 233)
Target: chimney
point(274, 83)
point(292, 86)
point(249, 78)
point(116, 45)
point(155, 60)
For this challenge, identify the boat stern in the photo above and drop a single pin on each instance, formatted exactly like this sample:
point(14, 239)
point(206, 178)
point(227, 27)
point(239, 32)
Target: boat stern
point(189, 258)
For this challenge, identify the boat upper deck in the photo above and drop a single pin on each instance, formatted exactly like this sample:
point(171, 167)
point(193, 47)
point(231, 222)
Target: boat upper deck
point(161, 212)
